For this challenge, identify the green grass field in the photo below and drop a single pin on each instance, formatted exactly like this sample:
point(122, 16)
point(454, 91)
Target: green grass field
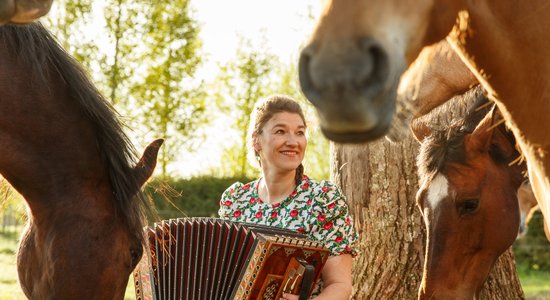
point(536, 284)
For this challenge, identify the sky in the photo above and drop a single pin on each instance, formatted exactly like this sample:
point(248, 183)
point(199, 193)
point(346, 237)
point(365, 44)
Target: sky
point(285, 23)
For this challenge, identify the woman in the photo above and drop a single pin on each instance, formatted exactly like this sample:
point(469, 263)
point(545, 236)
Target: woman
point(283, 196)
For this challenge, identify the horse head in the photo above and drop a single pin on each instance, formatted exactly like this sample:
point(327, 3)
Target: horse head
point(469, 205)
point(63, 148)
point(351, 67)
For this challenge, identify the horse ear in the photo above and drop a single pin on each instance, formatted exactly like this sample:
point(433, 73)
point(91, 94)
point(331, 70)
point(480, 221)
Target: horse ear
point(482, 135)
point(420, 130)
point(146, 165)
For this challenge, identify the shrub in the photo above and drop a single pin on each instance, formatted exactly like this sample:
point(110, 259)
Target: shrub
point(195, 197)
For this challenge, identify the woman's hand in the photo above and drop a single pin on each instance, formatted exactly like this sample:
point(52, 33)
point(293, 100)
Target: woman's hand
point(287, 296)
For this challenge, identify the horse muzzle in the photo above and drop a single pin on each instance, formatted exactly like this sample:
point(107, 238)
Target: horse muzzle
point(351, 89)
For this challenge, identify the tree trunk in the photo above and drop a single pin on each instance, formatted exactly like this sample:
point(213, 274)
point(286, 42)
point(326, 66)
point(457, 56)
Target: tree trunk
point(380, 182)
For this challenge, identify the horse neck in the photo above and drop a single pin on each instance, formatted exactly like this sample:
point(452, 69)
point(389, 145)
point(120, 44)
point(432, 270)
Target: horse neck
point(48, 149)
point(498, 46)
point(512, 40)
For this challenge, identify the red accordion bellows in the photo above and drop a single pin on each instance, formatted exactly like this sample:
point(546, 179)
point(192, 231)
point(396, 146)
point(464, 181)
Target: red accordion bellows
point(207, 258)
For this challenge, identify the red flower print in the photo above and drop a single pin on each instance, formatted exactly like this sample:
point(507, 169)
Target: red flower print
point(309, 202)
point(328, 226)
point(237, 213)
point(246, 187)
point(348, 221)
point(293, 194)
point(305, 185)
point(293, 213)
point(339, 239)
point(227, 203)
point(321, 218)
point(301, 230)
point(274, 215)
point(325, 189)
point(348, 249)
point(331, 206)
point(259, 214)
point(252, 200)
point(276, 204)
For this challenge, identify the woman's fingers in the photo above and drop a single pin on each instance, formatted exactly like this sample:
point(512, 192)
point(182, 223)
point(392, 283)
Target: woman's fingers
point(287, 296)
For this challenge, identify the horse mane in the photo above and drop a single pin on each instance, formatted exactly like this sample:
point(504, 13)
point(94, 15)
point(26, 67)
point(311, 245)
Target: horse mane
point(38, 48)
point(446, 145)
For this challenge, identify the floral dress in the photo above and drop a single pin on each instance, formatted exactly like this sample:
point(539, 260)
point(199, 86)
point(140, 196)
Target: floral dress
point(317, 209)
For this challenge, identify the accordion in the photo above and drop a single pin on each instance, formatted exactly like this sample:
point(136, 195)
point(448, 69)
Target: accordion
point(208, 258)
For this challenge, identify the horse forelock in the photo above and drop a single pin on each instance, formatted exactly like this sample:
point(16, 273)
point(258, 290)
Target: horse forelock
point(36, 47)
point(441, 148)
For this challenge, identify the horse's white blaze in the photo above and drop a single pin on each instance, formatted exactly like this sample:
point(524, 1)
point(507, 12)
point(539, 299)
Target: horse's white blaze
point(438, 189)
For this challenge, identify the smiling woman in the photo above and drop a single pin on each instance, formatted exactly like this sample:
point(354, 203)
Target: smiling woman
point(285, 197)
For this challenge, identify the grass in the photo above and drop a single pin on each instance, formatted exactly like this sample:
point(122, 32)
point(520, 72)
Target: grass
point(535, 283)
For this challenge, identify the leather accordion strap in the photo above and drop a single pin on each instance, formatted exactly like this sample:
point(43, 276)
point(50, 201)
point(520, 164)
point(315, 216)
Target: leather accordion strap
point(307, 282)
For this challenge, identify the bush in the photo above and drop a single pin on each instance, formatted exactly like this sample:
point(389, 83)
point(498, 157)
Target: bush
point(195, 197)
point(533, 251)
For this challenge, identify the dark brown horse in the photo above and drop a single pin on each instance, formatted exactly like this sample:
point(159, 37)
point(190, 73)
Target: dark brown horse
point(23, 11)
point(63, 149)
point(352, 66)
point(468, 199)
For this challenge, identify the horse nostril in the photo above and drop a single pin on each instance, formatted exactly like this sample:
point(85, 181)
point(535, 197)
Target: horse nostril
point(374, 68)
point(304, 75)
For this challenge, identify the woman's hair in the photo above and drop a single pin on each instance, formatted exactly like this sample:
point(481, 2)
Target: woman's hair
point(263, 111)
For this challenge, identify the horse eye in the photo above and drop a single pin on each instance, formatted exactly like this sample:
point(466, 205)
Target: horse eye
point(467, 206)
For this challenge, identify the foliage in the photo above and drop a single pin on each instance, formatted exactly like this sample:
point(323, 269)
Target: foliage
point(68, 21)
point(533, 250)
point(172, 103)
point(144, 60)
point(195, 197)
point(12, 206)
point(242, 82)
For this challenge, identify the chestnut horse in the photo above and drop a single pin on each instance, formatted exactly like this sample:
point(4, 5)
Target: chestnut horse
point(352, 66)
point(63, 149)
point(468, 199)
point(23, 11)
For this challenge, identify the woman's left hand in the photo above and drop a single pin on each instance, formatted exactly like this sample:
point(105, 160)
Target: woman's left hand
point(287, 296)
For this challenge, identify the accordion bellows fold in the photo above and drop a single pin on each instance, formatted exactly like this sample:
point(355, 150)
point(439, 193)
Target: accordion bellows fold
point(208, 258)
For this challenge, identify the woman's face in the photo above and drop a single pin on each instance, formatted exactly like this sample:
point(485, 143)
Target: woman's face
point(282, 142)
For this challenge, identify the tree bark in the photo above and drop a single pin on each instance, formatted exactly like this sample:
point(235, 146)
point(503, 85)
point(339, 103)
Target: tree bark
point(380, 182)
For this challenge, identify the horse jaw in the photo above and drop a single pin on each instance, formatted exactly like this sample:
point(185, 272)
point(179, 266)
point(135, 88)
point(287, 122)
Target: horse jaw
point(147, 163)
